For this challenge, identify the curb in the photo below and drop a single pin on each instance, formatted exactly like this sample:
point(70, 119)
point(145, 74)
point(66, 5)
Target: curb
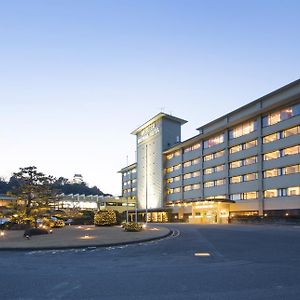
point(90, 246)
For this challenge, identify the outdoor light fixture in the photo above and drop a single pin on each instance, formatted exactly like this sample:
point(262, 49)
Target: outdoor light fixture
point(87, 237)
point(144, 225)
point(2, 233)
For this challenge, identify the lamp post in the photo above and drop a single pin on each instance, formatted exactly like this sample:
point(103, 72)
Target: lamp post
point(127, 191)
point(146, 187)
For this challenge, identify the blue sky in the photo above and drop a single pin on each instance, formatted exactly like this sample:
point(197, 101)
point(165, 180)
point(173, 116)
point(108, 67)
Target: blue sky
point(76, 77)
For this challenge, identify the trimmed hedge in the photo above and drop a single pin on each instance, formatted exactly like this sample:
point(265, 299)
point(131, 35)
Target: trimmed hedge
point(132, 227)
point(105, 218)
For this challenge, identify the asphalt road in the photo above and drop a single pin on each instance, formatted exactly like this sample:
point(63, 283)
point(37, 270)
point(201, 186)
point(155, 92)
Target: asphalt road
point(245, 262)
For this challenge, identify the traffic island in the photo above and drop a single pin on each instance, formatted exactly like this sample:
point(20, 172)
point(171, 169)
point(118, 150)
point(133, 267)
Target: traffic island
point(80, 237)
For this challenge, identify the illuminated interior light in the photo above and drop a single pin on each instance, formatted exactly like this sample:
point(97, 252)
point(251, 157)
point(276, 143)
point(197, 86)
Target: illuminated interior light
point(202, 254)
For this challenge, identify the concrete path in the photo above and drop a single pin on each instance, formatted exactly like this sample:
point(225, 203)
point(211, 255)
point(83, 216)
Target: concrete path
point(79, 236)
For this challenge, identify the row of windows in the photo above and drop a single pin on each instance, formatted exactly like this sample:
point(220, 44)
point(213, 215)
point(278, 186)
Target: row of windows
point(243, 162)
point(282, 171)
point(243, 146)
point(239, 163)
point(191, 187)
point(129, 182)
point(129, 190)
point(243, 129)
point(173, 168)
point(171, 155)
point(283, 152)
point(215, 169)
point(281, 115)
point(290, 191)
point(244, 178)
point(133, 171)
point(244, 196)
point(191, 175)
point(173, 179)
point(281, 134)
point(215, 182)
point(173, 191)
point(218, 139)
point(213, 155)
point(191, 162)
point(192, 148)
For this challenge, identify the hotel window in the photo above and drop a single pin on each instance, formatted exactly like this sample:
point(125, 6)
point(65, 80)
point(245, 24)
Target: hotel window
point(133, 180)
point(281, 115)
point(271, 193)
point(291, 170)
point(196, 174)
point(208, 184)
point(208, 157)
point(170, 156)
point(133, 171)
point(293, 191)
point(235, 149)
point(177, 178)
point(187, 176)
point(243, 146)
point(177, 153)
point(169, 170)
point(187, 188)
point(214, 155)
point(187, 164)
point(271, 138)
point(214, 141)
point(235, 197)
point(219, 182)
point(196, 161)
point(235, 164)
point(134, 189)
point(272, 155)
point(250, 144)
point(243, 129)
point(250, 160)
point(236, 179)
point(192, 148)
point(291, 151)
point(177, 190)
point(170, 180)
point(250, 176)
point(271, 173)
point(177, 167)
point(219, 154)
point(208, 171)
point(250, 195)
point(170, 191)
point(219, 168)
point(291, 131)
point(196, 186)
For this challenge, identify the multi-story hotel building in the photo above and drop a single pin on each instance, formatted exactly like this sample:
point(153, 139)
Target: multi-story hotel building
point(244, 163)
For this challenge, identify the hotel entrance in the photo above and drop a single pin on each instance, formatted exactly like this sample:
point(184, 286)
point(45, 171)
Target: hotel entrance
point(209, 212)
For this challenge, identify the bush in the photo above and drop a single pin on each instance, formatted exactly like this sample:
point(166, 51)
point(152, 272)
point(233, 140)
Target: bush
point(105, 218)
point(132, 226)
point(53, 223)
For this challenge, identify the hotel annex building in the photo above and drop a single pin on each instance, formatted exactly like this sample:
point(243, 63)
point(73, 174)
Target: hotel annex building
point(245, 163)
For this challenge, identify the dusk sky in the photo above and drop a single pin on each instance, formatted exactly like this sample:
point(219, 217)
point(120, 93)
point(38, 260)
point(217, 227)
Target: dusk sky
point(76, 77)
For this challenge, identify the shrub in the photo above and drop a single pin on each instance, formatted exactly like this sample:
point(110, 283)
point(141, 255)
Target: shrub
point(105, 218)
point(53, 223)
point(133, 227)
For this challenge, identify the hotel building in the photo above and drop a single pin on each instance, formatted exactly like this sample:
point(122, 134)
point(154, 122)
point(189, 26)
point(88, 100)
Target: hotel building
point(245, 163)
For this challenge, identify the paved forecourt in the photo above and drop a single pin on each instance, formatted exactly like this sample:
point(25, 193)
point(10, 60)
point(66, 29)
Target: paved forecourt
point(80, 236)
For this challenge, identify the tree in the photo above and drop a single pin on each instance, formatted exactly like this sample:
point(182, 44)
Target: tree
point(34, 192)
